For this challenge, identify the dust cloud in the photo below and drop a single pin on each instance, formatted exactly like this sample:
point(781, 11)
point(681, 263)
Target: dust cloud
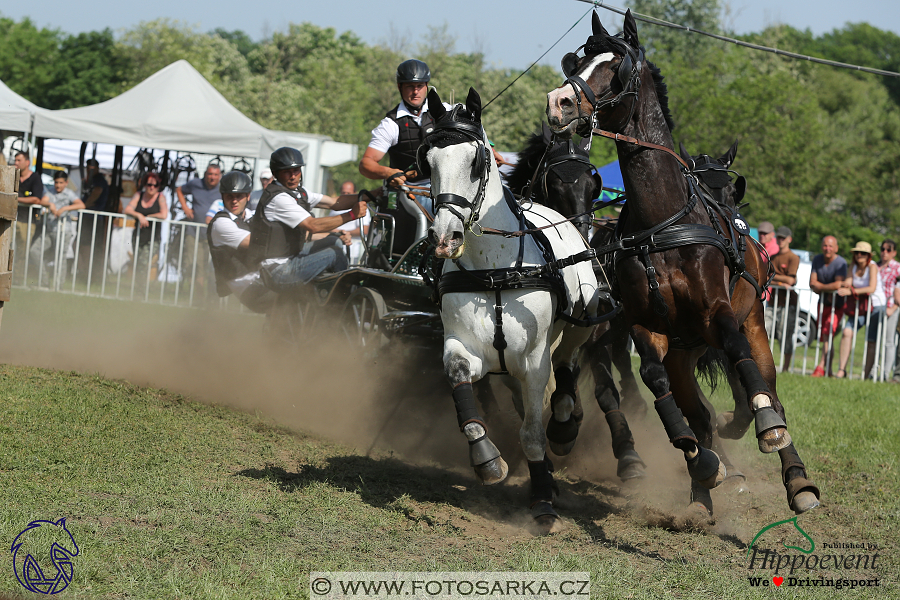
point(397, 402)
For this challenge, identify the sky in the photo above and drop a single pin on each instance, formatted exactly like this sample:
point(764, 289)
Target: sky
point(511, 33)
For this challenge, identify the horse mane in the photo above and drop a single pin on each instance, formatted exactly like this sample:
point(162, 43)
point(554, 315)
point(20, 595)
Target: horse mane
point(527, 162)
point(662, 92)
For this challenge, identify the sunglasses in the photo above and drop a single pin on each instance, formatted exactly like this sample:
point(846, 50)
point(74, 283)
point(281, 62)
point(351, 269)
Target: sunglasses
point(156, 185)
point(886, 249)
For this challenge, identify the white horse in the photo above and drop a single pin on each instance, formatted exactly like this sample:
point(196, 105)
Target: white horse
point(498, 315)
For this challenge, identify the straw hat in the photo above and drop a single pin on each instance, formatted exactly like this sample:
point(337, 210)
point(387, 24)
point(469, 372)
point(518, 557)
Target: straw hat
point(863, 247)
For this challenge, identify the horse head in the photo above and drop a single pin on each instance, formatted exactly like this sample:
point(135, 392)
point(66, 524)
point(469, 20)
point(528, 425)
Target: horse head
point(456, 157)
point(602, 85)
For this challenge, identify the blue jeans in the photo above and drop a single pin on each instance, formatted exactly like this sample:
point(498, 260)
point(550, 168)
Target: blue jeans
point(293, 275)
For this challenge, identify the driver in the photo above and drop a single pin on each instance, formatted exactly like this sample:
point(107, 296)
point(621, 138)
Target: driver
point(403, 128)
point(228, 235)
point(283, 222)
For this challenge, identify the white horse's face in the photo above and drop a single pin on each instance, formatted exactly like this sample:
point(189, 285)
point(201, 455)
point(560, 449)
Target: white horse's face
point(451, 173)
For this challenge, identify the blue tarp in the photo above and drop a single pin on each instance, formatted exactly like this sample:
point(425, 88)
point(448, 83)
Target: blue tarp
point(612, 178)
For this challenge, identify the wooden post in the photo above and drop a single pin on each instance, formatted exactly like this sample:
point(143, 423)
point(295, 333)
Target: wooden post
point(9, 202)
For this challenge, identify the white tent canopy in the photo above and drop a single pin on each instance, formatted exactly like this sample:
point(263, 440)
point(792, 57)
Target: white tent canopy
point(177, 109)
point(15, 111)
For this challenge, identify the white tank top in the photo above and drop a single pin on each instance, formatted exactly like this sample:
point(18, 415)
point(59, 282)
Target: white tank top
point(878, 297)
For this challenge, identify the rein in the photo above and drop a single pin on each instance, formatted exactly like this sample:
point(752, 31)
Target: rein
point(619, 137)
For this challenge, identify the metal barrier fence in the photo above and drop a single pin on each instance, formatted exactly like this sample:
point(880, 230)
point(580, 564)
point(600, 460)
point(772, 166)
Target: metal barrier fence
point(798, 317)
point(99, 254)
point(105, 255)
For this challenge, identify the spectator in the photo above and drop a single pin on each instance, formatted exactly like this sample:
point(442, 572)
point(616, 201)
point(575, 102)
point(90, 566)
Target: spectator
point(265, 178)
point(31, 193)
point(283, 221)
point(889, 269)
point(148, 203)
point(828, 272)
point(767, 238)
point(353, 227)
point(861, 289)
point(784, 298)
point(203, 193)
point(94, 188)
point(60, 201)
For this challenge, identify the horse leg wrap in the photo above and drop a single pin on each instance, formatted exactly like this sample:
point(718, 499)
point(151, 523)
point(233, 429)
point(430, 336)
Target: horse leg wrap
point(630, 465)
point(752, 379)
point(542, 484)
point(679, 432)
point(802, 494)
point(466, 409)
point(561, 435)
point(622, 439)
point(705, 468)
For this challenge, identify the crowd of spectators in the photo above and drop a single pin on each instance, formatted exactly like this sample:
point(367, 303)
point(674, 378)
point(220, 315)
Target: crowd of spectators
point(861, 294)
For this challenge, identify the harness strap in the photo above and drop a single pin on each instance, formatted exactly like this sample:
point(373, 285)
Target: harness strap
point(499, 337)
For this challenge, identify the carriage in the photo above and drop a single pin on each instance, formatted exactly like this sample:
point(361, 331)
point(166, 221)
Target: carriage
point(383, 300)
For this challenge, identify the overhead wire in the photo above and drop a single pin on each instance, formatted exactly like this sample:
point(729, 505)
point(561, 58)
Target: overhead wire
point(540, 57)
point(663, 23)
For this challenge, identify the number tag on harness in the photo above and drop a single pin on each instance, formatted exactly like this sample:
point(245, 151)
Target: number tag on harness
point(741, 225)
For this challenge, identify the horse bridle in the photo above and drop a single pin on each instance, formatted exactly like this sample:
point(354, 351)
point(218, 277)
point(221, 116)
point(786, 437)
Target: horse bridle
point(447, 201)
point(629, 75)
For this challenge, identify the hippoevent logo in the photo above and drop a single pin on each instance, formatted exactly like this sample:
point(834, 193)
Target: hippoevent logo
point(791, 567)
point(42, 556)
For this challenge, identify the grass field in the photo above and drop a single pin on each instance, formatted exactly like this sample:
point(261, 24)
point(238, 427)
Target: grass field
point(191, 464)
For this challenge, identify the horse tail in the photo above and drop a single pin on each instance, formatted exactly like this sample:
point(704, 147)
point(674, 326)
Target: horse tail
point(712, 366)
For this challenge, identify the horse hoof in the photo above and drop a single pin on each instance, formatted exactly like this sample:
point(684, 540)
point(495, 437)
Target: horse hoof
point(774, 440)
point(706, 468)
point(715, 480)
point(736, 482)
point(699, 513)
point(630, 466)
point(561, 436)
point(545, 517)
point(561, 449)
point(493, 471)
point(728, 427)
point(803, 502)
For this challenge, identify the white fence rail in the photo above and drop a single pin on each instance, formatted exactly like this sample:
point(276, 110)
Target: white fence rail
point(96, 255)
point(106, 255)
point(801, 322)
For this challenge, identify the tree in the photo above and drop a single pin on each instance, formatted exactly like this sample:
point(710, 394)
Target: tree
point(28, 58)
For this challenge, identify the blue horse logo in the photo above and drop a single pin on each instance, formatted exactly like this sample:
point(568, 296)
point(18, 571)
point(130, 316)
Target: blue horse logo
point(33, 544)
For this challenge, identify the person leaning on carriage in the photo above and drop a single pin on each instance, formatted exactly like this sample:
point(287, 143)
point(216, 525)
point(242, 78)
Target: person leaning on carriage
point(283, 221)
point(228, 234)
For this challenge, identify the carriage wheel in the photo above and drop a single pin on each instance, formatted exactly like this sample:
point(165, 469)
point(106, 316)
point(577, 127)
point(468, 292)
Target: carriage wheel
point(290, 321)
point(361, 319)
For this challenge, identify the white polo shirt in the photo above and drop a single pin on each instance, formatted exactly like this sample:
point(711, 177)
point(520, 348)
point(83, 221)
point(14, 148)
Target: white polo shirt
point(387, 133)
point(225, 232)
point(284, 209)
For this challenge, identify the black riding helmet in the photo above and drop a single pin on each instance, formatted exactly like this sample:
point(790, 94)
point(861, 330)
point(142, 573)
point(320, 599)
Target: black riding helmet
point(413, 71)
point(236, 182)
point(285, 158)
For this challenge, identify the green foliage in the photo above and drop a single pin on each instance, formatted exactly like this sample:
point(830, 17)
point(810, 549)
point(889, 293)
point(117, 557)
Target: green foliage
point(818, 145)
point(27, 58)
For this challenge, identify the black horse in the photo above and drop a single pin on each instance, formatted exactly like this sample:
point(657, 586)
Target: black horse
point(687, 276)
point(559, 174)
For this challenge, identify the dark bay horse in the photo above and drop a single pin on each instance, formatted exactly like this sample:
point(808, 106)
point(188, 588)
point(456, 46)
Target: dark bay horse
point(559, 174)
point(686, 275)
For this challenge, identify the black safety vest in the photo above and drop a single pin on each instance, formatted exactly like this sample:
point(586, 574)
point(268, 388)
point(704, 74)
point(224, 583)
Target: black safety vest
point(403, 153)
point(228, 263)
point(274, 239)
